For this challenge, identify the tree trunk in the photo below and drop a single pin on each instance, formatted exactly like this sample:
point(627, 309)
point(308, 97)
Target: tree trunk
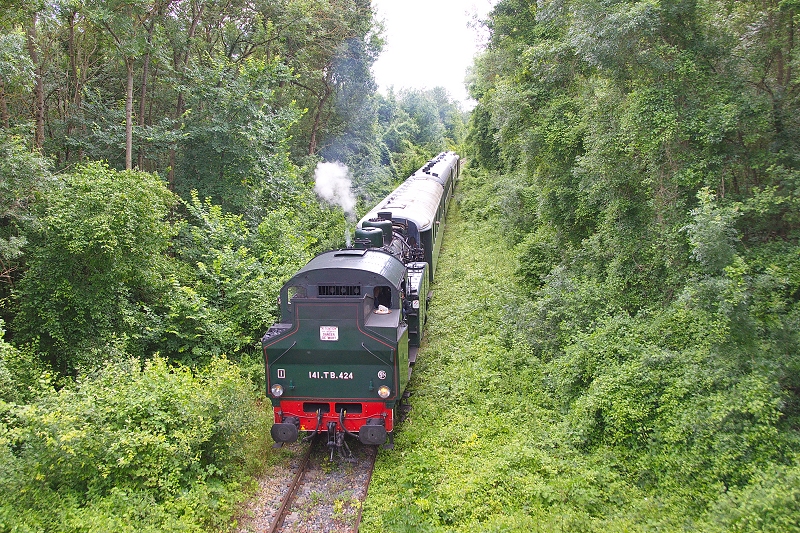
point(38, 91)
point(318, 122)
point(312, 143)
point(145, 81)
point(73, 82)
point(181, 62)
point(142, 99)
point(4, 118)
point(129, 116)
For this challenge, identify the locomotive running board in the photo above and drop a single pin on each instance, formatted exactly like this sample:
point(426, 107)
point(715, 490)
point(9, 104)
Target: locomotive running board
point(412, 354)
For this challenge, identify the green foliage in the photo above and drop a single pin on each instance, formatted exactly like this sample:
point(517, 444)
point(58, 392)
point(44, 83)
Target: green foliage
point(483, 150)
point(226, 295)
point(216, 98)
point(416, 124)
point(219, 308)
point(423, 110)
point(772, 211)
point(22, 175)
point(712, 235)
point(108, 275)
point(155, 449)
point(94, 265)
point(22, 375)
point(243, 156)
point(661, 316)
point(486, 202)
point(538, 255)
point(770, 504)
point(16, 67)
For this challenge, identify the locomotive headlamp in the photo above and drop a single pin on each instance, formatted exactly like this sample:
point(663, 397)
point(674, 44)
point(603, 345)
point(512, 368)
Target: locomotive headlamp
point(384, 391)
point(415, 304)
point(277, 390)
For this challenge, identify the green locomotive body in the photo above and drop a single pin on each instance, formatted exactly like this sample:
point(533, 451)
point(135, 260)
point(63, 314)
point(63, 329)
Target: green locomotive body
point(332, 344)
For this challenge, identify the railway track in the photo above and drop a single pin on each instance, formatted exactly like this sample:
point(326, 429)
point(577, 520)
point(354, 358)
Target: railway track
point(317, 494)
point(327, 494)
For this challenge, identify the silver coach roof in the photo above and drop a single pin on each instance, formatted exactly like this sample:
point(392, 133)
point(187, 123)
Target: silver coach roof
point(440, 167)
point(417, 199)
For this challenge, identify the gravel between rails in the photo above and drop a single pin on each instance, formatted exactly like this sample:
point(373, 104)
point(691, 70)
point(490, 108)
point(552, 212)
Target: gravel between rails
point(259, 512)
point(328, 499)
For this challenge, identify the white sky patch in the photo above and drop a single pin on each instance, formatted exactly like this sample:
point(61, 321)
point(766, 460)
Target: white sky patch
point(429, 43)
point(332, 184)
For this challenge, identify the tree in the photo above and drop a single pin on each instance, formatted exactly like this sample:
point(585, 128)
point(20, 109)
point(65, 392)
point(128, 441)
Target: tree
point(38, 92)
point(234, 139)
point(332, 59)
point(418, 124)
point(23, 174)
point(648, 168)
point(130, 23)
point(16, 71)
point(95, 267)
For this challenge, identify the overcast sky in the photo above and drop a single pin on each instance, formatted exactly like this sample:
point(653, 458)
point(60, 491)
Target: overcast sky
point(429, 43)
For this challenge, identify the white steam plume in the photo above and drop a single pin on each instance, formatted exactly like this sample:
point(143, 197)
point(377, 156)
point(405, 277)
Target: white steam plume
point(332, 184)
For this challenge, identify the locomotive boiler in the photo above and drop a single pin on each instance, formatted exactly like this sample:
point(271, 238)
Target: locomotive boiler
point(351, 320)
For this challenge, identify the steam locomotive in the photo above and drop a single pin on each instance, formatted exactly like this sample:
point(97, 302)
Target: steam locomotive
point(351, 323)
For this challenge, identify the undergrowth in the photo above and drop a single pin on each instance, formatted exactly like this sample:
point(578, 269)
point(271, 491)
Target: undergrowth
point(129, 448)
point(654, 422)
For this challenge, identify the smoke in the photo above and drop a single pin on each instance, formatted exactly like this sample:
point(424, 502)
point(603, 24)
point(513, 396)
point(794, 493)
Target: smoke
point(332, 184)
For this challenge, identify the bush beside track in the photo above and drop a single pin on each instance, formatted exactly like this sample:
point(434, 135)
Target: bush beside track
point(133, 449)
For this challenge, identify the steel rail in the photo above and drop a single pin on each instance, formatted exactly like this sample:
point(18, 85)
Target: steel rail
point(280, 516)
point(366, 488)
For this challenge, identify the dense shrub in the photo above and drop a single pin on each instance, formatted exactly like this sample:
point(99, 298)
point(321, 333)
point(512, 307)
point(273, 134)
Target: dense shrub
point(153, 448)
point(96, 265)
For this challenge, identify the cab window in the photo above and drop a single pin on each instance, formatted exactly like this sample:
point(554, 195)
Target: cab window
point(382, 295)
